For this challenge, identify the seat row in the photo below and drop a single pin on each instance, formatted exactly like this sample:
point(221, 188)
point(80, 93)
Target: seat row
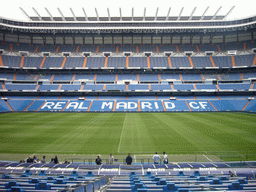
point(46, 182)
point(128, 77)
point(181, 182)
point(125, 62)
point(218, 47)
point(123, 87)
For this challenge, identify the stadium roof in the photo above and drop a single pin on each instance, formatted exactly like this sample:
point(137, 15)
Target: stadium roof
point(144, 17)
point(118, 10)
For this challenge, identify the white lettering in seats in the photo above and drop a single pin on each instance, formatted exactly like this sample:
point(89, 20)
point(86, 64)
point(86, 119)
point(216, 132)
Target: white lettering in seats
point(203, 104)
point(107, 104)
point(194, 105)
point(48, 105)
point(169, 105)
point(59, 105)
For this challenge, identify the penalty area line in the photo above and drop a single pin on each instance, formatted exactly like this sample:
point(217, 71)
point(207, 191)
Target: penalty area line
point(121, 136)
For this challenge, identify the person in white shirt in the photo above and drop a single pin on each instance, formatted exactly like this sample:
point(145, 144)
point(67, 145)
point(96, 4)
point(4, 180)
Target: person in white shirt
point(111, 159)
point(156, 158)
point(165, 158)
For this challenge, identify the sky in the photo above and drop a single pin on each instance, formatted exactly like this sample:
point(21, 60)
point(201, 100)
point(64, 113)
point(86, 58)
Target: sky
point(11, 9)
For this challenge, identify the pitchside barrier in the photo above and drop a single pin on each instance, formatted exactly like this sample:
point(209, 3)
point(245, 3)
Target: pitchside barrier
point(127, 105)
point(139, 158)
point(148, 159)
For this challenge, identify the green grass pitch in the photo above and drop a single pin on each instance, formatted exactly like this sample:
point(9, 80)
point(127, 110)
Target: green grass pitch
point(119, 133)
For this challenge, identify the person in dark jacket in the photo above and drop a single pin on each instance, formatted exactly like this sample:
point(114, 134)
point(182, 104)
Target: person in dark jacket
point(55, 160)
point(129, 159)
point(29, 160)
point(98, 161)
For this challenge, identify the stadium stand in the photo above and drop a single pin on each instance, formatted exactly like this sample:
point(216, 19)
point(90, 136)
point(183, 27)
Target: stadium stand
point(134, 68)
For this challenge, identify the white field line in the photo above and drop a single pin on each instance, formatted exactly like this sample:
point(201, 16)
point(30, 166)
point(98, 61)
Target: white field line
point(207, 158)
point(121, 136)
point(135, 158)
point(99, 169)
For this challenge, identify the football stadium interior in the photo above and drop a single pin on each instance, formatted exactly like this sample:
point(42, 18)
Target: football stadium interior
point(80, 86)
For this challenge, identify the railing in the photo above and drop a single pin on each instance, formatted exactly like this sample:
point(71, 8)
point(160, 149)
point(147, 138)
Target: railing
point(236, 158)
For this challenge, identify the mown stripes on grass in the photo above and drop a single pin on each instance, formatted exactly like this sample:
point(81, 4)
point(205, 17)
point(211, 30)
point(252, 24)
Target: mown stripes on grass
point(120, 133)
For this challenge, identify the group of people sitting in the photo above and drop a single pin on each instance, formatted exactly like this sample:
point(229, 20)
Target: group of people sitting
point(128, 160)
point(98, 161)
point(37, 160)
